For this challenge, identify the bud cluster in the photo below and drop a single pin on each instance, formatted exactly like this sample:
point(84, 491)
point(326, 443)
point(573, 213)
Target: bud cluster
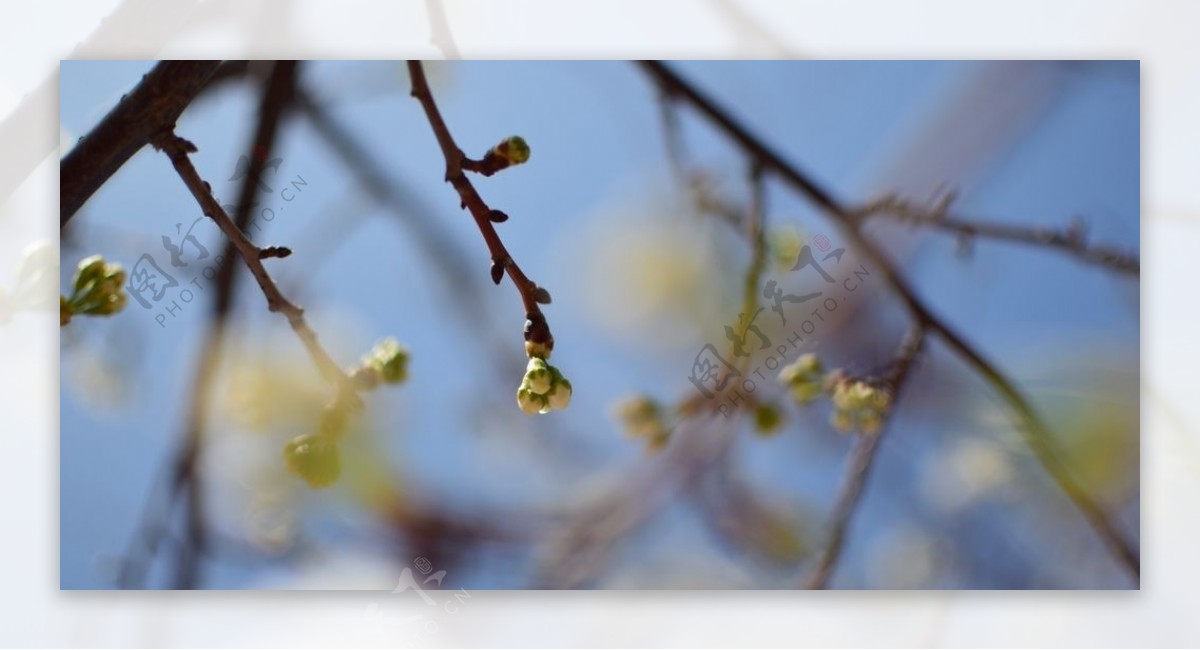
point(643, 417)
point(315, 457)
point(98, 289)
point(857, 405)
point(543, 388)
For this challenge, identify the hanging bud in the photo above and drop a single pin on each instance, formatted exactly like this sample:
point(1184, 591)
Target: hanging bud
point(560, 397)
point(390, 361)
point(543, 388)
point(538, 377)
point(315, 459)
point(531, 403)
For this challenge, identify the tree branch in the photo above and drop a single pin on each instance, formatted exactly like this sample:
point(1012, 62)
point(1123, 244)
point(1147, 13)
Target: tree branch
point(1071, 240)
point(1034, 430)
point(858, 466)
point(153, 105)
point(178, 150)
point(537, 330)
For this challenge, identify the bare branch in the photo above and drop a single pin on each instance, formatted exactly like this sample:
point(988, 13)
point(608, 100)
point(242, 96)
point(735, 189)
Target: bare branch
point(1071, 240)
point(1034, 430)
point(178, 150)
point(859, 464)
point(153, 105)
point(537, 330)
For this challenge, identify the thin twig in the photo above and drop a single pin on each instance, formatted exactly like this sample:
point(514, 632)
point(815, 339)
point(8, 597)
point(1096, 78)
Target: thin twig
point(537, 330)
point(859, 464)
point(1035, 432)
point(277, 96)
point(153, 105)
point(1071, 240)
point(178, 150)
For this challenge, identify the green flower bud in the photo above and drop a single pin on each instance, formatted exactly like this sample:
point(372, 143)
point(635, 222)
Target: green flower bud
point(767, 418)
point(315, 459)
point(531, 403)
point(513, 150)
point(805, 393)
point(642, 417)
point(560, 397)
point(64, 311)
point(390, 361)
point(538, 377)
point(99, 289)
point(87, 272)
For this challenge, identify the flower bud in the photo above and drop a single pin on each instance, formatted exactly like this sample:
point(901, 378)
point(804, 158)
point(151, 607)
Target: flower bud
point(531, 403)
point(99, 289)
point(538, 376)
point(513, 150)
point(390, 360)
point(315, 459)
point(560, 397)
point(87, 272)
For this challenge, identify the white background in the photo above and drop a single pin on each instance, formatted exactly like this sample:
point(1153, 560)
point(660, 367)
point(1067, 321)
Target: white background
point(1161, 34)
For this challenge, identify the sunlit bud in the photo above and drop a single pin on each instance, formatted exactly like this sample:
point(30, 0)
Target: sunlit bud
point(87, 271)
point(98, 289)
point(538, 376)
point(531, 403)
point(561, 395)
point(390, 360)
point(315, 459)
point(513, 150)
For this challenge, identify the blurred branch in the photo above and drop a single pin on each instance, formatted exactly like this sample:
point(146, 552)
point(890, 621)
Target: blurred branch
point(1034, 430)
point(1071, 240)
point(278, 88)
point(537, 331)
point(859, 465)
point(153, 105)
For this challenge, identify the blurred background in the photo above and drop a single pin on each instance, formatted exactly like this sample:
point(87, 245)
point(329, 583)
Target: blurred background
point(445, 474)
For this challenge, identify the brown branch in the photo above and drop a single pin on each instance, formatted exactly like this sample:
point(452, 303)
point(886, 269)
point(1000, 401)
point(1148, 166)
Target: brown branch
point(277, 94)
point(1071, 240)
point(153, 105)
point(858, 466)
point(1035, 432)
point(178, 150)
point(537, 330)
